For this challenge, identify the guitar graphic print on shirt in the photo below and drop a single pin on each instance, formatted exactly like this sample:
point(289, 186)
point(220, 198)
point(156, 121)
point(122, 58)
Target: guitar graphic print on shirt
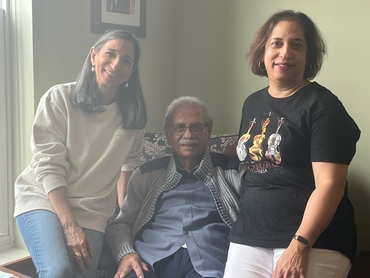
point(265, 147)
point(273, 152)
point(241, 149)
point(256, 151)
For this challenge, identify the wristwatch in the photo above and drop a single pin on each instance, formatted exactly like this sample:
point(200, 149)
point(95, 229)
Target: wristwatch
point(302, 240)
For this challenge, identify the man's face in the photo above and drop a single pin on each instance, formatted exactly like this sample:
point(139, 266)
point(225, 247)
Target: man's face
point(190, 145)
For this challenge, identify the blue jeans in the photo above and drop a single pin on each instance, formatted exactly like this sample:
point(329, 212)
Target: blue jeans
point(43, 236)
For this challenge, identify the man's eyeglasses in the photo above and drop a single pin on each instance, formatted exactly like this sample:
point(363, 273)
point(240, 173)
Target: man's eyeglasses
point(195, 129)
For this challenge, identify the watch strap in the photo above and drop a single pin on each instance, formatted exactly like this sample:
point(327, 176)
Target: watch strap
point(302, 240)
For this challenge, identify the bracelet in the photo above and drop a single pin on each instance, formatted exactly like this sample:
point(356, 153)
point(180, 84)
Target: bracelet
point(302, 240)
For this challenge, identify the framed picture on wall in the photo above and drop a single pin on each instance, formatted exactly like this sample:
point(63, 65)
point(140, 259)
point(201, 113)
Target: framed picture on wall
point(128, 15)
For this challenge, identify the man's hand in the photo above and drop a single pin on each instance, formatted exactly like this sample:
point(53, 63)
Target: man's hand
point(131, 262)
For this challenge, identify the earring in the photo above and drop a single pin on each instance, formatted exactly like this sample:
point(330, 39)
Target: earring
point(261, 65)
point(93, 68)
point(126, 85)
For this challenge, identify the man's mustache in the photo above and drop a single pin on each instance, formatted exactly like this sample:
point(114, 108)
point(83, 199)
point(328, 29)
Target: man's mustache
point(188, 141)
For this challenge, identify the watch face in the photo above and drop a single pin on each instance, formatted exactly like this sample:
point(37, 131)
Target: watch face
point(302, 240)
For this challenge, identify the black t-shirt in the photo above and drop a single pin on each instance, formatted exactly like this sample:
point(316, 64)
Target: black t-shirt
point(279, 139)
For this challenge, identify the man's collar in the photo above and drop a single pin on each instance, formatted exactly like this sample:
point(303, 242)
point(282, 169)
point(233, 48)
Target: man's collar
point(179, 166)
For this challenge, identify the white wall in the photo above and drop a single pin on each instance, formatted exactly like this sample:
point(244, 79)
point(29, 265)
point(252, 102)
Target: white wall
point(54, 39)
point(214, 36)
point(197, 48)
point(201, 54)
point(62, 40)
point(345, 73)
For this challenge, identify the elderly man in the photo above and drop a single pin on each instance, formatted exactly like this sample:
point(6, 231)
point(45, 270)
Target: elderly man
point(176, 217)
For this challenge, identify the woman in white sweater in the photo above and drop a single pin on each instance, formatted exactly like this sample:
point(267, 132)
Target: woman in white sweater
point(86, 135)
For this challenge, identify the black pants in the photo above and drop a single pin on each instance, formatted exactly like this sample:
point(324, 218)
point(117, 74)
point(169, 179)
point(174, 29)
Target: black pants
point(178, 265)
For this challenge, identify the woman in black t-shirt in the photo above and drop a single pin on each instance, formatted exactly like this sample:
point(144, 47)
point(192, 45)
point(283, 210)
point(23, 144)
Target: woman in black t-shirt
point(297, 140)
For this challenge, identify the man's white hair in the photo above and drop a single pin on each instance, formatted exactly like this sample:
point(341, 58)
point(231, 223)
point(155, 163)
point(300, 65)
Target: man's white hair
point(188, 101)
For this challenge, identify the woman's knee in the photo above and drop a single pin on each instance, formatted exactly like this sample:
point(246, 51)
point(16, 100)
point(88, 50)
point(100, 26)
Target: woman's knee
point(44, 239)
point(60, 270)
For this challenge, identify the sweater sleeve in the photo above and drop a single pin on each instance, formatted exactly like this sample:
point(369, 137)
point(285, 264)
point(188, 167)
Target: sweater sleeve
point(48, 141)
point(133, 158)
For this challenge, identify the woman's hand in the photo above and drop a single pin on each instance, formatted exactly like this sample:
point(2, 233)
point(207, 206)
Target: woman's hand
point(293, 263)
point(79, 247)
point(330, 181)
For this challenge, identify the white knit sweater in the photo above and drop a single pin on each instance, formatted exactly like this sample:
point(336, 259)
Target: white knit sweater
point(84, 152)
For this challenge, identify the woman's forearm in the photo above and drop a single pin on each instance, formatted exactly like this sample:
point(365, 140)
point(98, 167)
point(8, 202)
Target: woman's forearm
point(330, 180)
point(122, 186)
point(59, 200)
point(319, 212)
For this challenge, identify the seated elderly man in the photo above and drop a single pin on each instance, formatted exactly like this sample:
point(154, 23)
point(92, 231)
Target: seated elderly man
point(175, 219)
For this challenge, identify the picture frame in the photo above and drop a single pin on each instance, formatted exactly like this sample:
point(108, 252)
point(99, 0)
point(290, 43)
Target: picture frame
point(129, 15)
